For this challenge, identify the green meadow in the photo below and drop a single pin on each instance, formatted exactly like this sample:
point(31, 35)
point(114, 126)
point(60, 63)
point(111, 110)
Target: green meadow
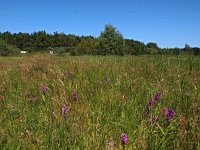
point(112, 95)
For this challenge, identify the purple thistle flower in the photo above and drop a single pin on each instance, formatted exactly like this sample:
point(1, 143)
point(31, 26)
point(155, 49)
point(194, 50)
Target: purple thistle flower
point(75, 96)
point(154, 118)
point(124, 138)
point(63, 110)
point(168, 113)
point(157, 96)
point(151, 102)
point(43, 88)
point(171, 112)
point(67, 74)
point(165, 112)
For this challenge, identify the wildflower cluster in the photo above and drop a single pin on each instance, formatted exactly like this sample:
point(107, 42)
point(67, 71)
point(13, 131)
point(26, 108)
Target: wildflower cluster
point(63, 110)
point(124, 139)
point(74, 94)
point(43, 88)
point(151, 103)
point(154, 119)
point(167, 113)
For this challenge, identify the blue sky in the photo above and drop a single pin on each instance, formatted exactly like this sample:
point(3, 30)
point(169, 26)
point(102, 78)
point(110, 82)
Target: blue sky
point(169, 23)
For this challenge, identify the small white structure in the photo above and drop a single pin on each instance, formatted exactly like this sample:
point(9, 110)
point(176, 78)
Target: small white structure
point(23, 52)
point(51, 52)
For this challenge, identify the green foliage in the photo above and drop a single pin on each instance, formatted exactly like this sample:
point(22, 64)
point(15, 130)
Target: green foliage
point(72, 51)
point(7, 49)
point(110, 42)
point(50, 49)
point(151, 51)
point(39, 41)
point(60, 50)
point(176, 51)
point(134, 47)
point(162, 51)
point(152, 45)
point(188, 49)
point(196, 51)
point(87, 46)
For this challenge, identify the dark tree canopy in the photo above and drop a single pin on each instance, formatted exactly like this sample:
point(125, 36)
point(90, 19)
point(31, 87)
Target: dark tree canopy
point(134, 47)
point(109, 42)
point(152, 45)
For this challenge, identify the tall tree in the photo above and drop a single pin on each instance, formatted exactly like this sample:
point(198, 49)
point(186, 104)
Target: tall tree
point(110, 42)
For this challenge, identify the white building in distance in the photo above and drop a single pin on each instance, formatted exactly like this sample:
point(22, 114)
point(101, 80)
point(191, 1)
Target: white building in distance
point(23, 52)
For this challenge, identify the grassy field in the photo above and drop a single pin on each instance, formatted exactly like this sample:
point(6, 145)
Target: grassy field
point(87, 102)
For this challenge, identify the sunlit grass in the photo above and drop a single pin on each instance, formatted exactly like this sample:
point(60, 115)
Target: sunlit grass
point(112, 94)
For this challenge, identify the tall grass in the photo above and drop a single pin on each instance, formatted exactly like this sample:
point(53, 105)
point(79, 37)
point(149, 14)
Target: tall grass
point(112, 94)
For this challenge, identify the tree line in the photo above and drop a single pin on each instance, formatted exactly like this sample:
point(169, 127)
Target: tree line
point(109, 42)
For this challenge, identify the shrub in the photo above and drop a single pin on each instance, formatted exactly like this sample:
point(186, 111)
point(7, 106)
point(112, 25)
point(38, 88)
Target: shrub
point(6, 49)
point(151, 51)
point(60, 51)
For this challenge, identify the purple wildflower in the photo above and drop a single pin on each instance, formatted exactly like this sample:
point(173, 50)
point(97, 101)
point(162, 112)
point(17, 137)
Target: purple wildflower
point(75, 96)
point(171, 113)
point(154, 118)
point(157, 96)
point(124, 138)
point(151, 102)
point(168, 113)
point(63, 110)
point(43, 88)
point(165, 112)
